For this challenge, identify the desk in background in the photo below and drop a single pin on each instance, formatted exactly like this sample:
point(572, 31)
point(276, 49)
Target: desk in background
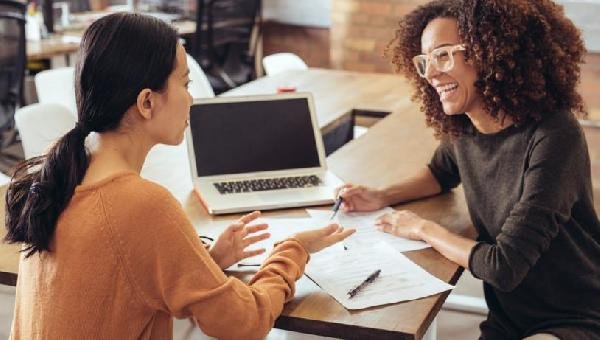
point(65, 43)
point(339, 97)
point(392, 149)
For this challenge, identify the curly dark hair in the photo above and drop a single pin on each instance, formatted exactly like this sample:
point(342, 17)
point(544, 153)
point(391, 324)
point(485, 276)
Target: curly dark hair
point(526, 53)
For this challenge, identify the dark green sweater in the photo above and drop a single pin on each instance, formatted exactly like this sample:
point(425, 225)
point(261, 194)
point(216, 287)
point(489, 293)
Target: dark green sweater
point(529, 194)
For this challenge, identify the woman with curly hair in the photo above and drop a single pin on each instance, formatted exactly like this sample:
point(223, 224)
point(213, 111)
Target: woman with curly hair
point(497, 81)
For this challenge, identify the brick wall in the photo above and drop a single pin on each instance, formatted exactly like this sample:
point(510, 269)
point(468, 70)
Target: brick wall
point(309, 43)
point(361, 30)
point(590, 83)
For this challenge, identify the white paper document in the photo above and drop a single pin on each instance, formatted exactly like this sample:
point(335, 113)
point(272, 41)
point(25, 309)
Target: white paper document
point(366, 234)
point(338, 271)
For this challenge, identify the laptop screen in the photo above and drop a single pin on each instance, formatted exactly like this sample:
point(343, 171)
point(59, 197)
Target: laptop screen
point(250, 136)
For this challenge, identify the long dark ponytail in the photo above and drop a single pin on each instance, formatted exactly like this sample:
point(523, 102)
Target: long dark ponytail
point(121, 54)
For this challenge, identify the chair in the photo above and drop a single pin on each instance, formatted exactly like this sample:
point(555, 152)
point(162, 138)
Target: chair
point(57, 86)
point(12, 67)
point(227, 32)
point(178, 177)
point(40, 125)
point(281, 62)
point(76, 6)
point(200, 86)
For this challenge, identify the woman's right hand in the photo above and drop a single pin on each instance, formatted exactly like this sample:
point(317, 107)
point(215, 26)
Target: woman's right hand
point(319, 239)
point(360, 198)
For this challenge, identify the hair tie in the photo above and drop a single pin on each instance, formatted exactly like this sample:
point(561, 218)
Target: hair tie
point(35, 188)
point(82, 129)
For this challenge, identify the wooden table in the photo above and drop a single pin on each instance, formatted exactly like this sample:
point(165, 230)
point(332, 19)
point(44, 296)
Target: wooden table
point(50, 47)
point(393, 149)
point(337, 93)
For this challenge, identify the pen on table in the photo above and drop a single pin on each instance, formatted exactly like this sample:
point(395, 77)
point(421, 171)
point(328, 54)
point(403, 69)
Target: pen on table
point(336, 206)
point(352, 292)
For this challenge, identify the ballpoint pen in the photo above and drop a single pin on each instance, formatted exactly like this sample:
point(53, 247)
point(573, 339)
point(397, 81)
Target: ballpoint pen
point(352, 292)
point(248, 265)
point(336, 206)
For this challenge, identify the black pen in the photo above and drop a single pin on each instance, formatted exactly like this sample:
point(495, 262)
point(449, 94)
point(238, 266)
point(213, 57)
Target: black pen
point(248, 265)
point(352, 292)
point(336, 206)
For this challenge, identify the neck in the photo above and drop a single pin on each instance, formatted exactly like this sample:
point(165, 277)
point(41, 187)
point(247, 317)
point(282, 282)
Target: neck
point(487, 124)
point(121, 150)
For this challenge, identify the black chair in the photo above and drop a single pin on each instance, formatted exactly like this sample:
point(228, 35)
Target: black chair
point(12, 66)
point(227, 32)
point(76, 6)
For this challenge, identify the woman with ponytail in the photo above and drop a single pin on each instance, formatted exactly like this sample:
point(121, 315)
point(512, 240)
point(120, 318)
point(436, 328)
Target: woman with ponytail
point(109, 255)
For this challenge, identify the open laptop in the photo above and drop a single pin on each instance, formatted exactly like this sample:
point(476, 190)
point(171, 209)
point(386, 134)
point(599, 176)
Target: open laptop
point(258, 153)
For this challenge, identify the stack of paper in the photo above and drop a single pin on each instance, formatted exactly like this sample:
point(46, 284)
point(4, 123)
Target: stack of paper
point(338, 271)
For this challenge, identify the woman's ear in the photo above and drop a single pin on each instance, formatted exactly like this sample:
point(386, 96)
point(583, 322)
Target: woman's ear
point(145, 103)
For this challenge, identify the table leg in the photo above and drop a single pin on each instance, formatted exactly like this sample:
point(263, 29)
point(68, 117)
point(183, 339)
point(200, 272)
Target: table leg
point(431, 333)
point(466, 304)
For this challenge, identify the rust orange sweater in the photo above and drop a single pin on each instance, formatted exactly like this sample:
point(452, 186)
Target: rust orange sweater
point(125, 260)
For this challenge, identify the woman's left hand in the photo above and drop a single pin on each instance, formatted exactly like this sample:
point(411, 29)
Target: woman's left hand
point(231, 245)
point(402, 223)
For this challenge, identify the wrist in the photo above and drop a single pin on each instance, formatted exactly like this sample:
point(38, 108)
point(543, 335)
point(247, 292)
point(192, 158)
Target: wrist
point(386, 197)
point(214, 256)
point(299, 241)
point(427, 229)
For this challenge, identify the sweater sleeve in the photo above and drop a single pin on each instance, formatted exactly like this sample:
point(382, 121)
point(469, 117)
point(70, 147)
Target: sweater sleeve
point(443, 166)
point(172, 272)
point(550, 187)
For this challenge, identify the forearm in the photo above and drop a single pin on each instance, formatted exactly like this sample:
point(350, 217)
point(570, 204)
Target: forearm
point(454, 247)
point(421, 185)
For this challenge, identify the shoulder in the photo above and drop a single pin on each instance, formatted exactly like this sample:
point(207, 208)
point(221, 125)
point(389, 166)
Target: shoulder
point(561, 131)
point(137, 209)
point(134, 195)
point(559, 140)
point(559, 123)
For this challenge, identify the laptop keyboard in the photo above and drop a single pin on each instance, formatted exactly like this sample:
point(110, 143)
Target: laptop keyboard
point(267, 184)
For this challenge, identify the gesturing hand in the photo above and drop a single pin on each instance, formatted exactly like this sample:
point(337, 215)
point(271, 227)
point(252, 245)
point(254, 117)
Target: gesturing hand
point(317, 239)
point(231, 245)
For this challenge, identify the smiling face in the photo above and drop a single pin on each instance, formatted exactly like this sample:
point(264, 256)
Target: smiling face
point(455, 87)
